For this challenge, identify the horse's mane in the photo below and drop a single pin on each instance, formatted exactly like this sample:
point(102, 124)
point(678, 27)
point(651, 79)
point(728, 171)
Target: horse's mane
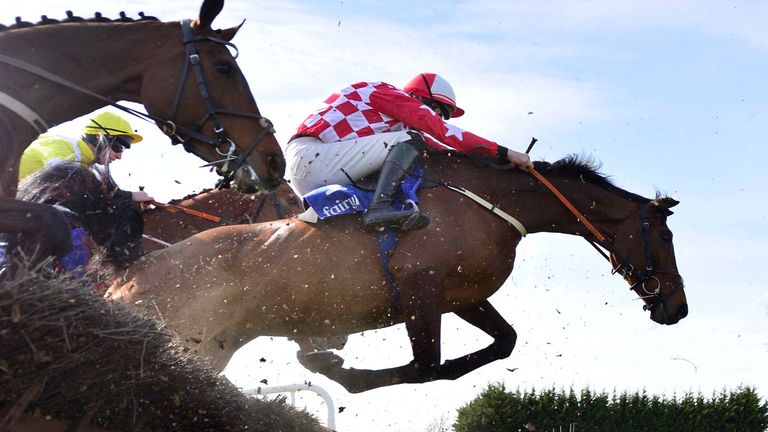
point(191, 195)
point(583, 168)
point(107, 213)
point(71, 18)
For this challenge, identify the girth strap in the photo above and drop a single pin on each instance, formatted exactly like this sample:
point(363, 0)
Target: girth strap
point(493, 209)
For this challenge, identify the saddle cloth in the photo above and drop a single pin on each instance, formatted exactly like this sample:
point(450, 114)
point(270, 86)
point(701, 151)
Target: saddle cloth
point(335, 200)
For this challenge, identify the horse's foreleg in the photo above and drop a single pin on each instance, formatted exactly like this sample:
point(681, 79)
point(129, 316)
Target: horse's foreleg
point(487, 319)
point(420, 304)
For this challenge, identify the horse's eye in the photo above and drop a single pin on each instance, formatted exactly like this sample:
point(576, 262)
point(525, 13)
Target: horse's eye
point(224, 68)
point(667, 236)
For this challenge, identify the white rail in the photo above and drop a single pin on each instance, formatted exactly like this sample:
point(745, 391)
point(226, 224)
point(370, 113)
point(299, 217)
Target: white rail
point(292, 389)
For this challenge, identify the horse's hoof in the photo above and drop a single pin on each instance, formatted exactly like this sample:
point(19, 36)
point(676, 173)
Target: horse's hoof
point(321, 361)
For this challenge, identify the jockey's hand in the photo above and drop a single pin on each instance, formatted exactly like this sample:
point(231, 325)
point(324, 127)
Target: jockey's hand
point(141, 196)
point(520, 160)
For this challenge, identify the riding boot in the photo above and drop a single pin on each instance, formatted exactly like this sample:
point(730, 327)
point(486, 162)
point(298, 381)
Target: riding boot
point(380, 214)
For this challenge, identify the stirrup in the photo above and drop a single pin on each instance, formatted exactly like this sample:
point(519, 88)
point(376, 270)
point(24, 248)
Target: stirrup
point(416, 220)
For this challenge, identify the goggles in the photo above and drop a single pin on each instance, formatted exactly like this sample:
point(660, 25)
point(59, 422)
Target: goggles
point(118, 143)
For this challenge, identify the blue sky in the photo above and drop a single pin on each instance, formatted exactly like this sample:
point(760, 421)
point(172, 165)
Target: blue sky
point(669, 96)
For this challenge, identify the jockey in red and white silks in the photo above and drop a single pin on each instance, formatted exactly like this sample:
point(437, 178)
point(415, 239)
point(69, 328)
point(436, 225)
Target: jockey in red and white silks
point(355, 129)
point(352, 135)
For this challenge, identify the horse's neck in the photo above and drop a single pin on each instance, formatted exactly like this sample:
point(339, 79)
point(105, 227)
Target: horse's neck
point(106, 58)
point(518, 193)
point(606, 210)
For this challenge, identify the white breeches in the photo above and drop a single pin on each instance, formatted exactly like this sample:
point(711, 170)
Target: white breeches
point(312, 163)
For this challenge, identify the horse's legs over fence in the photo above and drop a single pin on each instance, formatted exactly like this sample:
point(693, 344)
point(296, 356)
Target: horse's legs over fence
point(422, 313)
point(486, 318)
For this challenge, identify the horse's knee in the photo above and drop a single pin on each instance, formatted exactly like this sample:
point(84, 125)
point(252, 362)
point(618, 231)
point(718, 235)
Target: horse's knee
point(506, 343)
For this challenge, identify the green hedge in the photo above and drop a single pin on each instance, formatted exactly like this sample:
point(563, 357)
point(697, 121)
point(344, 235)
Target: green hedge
point(496, 409)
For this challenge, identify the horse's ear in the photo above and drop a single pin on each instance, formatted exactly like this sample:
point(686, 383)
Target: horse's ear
point(228, 34)
point(208, 12)
point(665, 203)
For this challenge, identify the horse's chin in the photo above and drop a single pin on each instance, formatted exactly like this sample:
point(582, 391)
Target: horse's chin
point(665, 317)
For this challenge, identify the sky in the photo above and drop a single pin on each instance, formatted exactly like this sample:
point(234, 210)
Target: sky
point(669, 96)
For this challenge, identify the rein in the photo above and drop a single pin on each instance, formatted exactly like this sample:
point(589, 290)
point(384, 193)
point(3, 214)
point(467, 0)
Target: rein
point(169, 127)
point(186, 210)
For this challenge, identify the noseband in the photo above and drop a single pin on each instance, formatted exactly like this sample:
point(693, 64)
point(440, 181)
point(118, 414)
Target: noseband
point(231, 161)
point(639, 279)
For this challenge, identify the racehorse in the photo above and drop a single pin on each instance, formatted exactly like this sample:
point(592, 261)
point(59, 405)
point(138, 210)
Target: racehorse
point(110, 219)
point(184, 75)
point(226, 286)
point(233, 207)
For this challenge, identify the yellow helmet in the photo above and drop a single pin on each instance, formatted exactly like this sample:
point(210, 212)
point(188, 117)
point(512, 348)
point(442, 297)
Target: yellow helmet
point(109, 123)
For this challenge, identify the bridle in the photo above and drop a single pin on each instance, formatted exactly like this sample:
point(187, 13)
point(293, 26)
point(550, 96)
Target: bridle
point(231, 161)
point(212, 110)
point(281, 212)
point(640, 279)
point(620, 262)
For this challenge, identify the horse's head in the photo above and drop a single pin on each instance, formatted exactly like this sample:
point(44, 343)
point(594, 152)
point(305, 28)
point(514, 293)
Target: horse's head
point(212, 111)
point(644, 255)
point(287, 203)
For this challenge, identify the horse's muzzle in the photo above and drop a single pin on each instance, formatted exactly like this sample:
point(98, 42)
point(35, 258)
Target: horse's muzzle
point(662, 314)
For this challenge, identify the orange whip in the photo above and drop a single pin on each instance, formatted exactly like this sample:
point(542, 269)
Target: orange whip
point(173, 207)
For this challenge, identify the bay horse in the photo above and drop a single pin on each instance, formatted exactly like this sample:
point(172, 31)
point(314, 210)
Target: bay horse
point(55, 72)
point(226, 286)
point(231, 205)
point(87, 200)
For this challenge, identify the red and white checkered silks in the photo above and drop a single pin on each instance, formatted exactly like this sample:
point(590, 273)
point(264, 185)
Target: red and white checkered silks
point(349, 115)
point(368, 108)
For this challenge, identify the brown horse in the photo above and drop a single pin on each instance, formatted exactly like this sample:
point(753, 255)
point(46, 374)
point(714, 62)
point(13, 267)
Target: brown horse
point(227, 286)
point(232, 206)
point(185, 75)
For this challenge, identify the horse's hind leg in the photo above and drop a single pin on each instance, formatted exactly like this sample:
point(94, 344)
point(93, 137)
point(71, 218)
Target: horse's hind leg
point(487, 319)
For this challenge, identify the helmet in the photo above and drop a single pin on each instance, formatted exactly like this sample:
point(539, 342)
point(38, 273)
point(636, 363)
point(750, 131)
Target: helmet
point(433, 86)
point(109, 123)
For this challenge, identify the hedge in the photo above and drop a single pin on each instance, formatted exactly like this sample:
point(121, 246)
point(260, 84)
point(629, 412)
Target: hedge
point(497, 409)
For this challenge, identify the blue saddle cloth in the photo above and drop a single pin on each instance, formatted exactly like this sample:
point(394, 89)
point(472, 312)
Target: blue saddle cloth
point(336, 200)
point(74, 263)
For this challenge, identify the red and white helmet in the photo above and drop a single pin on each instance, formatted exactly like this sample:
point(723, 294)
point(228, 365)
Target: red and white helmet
point(433, 86)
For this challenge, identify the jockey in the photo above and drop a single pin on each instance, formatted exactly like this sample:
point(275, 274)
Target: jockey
point(103, 140)
point(373, 125)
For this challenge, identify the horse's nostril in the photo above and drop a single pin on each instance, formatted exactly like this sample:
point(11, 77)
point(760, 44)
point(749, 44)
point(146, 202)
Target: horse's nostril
point(683, 311)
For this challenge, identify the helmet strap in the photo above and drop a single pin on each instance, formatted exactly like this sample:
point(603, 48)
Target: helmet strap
point(432, 103)
point(437, 107)
point(429, 88)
